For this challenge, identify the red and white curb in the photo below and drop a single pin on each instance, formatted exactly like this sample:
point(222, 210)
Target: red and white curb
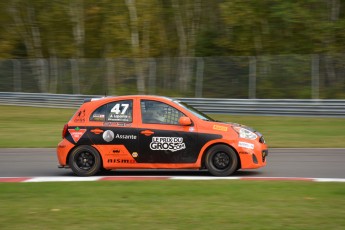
point(146, 178)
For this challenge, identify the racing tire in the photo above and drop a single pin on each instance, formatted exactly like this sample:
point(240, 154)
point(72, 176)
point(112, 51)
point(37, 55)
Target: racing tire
point(221, 160)
point(85, 161)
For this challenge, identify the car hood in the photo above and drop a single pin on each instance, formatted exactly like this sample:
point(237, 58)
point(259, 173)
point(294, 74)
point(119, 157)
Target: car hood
point(239, 125)
point(232, 124)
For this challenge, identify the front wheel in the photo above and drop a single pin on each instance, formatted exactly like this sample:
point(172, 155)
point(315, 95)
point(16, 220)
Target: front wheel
point(221, 160)
point(85, 161)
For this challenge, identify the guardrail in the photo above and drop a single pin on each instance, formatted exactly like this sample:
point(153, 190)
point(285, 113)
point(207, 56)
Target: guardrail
point(280, 107)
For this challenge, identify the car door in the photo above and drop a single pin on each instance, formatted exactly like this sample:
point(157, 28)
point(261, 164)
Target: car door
point(113, 133)
point(162, 139)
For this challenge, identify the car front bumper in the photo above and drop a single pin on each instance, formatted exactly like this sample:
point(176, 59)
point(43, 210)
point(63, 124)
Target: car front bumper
point(253, 158)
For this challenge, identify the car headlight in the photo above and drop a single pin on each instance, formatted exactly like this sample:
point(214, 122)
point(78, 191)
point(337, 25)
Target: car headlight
point(245, 133)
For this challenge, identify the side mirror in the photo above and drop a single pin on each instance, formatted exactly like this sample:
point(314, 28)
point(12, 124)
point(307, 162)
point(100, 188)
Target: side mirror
point(185, 121)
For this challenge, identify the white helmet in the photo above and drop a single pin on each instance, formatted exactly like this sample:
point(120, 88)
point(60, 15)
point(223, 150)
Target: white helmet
point(159, 113)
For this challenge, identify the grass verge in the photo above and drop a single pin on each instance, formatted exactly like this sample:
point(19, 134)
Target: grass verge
point(41, 127)
point(220, 204)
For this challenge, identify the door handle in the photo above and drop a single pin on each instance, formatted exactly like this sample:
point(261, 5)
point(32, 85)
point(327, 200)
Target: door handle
point(147, 132)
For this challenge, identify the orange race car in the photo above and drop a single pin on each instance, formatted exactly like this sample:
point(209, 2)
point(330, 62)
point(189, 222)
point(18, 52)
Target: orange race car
point(152, 132)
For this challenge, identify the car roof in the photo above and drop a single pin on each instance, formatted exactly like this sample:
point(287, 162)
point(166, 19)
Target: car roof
point(126, 97)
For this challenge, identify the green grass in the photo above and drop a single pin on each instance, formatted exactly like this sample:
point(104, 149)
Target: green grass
point(295, 132)
point(41, 127)
point(32, 127)
point(220, 204)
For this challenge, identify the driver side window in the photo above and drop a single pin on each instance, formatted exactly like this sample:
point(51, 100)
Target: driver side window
point(154, 112)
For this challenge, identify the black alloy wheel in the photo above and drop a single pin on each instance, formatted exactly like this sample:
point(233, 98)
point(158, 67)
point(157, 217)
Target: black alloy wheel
point(85, 161)
point(221, 160)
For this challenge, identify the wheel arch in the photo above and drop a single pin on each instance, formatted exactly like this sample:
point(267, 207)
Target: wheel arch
point(204, 153)
point(77, 146)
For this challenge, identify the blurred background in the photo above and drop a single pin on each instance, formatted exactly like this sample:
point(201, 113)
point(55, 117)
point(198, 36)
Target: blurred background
point(184, 48)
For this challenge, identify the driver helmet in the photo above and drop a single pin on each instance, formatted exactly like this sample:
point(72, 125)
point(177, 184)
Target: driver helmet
point(158, 113)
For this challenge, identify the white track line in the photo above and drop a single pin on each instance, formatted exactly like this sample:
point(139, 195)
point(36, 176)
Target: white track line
point(62, 179)
point(133, 178)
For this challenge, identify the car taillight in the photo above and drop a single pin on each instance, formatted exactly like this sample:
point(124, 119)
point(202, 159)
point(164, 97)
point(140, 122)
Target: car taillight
point(64, 131)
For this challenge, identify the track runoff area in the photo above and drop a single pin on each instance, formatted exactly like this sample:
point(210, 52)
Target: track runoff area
point(147, 178)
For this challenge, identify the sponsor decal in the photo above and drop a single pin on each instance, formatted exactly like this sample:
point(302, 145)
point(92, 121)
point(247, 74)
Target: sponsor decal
point(76, 133)
point(220, 128)
point(122, 161)
point(134, 154)
point(172, 144)
point(122, 124)
point(80, 117)
point(121, 136)
point(98, 117)
point(108, 135)
point(117, 124)
point(119, 117)
point(116, 151)
point(244, 153)
point(245, 145)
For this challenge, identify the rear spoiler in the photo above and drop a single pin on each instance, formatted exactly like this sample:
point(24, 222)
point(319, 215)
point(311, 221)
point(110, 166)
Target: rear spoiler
point(91, 99)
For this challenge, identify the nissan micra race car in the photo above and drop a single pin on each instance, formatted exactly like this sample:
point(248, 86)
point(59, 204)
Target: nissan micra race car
point(152, 132)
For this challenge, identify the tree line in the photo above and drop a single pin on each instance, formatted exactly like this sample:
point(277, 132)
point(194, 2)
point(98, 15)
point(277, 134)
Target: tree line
point(79, 29)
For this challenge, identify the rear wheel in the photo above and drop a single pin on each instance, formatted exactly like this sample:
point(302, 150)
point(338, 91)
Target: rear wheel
point(85, 161)
point(221, 160)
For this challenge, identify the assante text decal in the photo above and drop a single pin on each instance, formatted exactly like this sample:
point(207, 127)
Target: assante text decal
point(109, 135)
point(167, 143)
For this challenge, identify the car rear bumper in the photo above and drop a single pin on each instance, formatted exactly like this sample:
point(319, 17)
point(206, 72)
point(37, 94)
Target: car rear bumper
point(62, 151)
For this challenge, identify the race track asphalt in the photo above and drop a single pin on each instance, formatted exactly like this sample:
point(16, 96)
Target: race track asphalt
point(281, 162)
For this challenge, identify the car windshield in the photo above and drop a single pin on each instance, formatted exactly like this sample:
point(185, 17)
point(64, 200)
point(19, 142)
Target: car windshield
point(196, 112)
